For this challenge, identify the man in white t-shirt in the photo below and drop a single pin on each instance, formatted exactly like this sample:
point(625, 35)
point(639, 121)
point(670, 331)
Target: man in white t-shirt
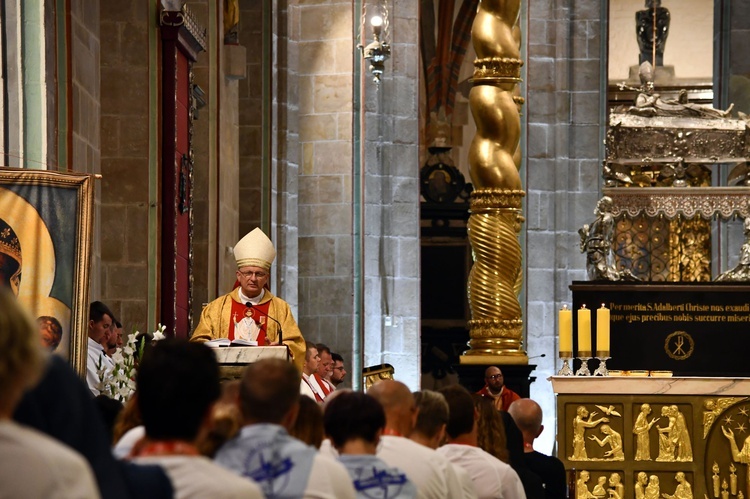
point(492, 477)
point(178, 384)
point(433, 474)
point(264, 451)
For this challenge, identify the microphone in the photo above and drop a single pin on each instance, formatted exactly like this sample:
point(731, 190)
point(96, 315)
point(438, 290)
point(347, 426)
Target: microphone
point(281, 337)
point(538, 356)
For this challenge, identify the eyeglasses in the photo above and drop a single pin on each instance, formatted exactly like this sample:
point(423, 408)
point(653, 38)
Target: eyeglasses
point(249, 274)
point(495, 376)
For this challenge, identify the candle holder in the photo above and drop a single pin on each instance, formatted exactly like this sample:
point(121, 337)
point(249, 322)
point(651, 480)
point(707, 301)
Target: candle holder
point(566, 370)
point(602, 369)
point(584, 357)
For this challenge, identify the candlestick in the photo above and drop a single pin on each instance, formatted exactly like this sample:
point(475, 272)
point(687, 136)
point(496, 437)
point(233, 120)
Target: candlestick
point(584, 332)
point(584, 369)
point(565, 323)
point(602, 369)
point(602, 332)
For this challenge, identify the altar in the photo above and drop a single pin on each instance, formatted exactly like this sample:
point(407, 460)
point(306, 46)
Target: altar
point(619, 435)
point(233, 360)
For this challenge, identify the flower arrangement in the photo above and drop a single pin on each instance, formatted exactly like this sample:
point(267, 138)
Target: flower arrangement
point(117, 377)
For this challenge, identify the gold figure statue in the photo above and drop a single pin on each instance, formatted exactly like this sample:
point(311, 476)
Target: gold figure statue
point(614, 440)
point(640, 485)
point(599, 491)
point(640, 429)
point(582, 490)
point(496, 278)
point(674, 439)
point(652, 489)
point(616, 488)
point(738, 456)
point(683, 490)
point(580, 423)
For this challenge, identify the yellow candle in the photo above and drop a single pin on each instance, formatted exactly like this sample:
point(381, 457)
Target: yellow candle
point(584, 332)
point(602, 329)
point(565, 323)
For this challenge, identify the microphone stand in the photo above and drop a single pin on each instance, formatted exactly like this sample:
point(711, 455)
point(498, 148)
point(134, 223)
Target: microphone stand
point(281, 334)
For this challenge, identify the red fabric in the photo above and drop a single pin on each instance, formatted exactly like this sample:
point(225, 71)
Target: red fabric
point(507, 397)
point(258, 314)
point(323, 385)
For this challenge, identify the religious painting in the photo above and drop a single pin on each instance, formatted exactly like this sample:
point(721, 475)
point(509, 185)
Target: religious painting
point(45, 245)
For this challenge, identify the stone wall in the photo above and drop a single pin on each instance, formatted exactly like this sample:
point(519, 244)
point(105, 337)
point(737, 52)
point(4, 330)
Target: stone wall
point(85, 110)
point(326, 46)
point(123, 269)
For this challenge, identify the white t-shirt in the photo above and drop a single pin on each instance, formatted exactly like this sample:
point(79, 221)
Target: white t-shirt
point(432, 473)
point(492, 477)
point(198, 477)
point(33, 465)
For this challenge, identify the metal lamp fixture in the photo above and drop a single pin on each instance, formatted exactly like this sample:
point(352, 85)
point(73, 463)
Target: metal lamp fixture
point(378, 51)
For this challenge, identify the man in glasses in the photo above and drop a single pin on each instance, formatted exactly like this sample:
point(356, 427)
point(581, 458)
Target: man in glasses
point(251, 312)
point(495, 389)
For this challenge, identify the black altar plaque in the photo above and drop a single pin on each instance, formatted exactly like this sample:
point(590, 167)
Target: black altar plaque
point(691, 329)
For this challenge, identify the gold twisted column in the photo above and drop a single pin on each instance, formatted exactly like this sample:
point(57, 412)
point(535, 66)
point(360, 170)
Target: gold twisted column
point(496, 278)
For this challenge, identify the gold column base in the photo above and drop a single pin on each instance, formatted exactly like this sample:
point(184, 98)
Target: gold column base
point(491, 360)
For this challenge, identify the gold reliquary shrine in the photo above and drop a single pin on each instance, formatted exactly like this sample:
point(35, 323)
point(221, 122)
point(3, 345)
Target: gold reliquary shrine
point(642, 437)
point(673, 169)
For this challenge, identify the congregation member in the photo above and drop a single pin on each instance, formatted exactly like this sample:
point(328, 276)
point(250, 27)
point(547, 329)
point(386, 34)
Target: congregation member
point(264, 451)
point(492, 477)
point(494, 388)
point(429, 431)
point(354, 422)
point(433, 474)
point(338, 372)
point(251, 312)
point(309, 424)
point(32, 465)
point(98, 364)
point(325, 368)
point(528, 416)
point(177, 385)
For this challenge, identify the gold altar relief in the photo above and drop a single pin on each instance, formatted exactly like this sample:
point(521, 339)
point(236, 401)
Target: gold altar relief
point(607, 485)
point(727, 423)
point(641, 429)
point(713, 409)
point(609, 441)
point(674, 436)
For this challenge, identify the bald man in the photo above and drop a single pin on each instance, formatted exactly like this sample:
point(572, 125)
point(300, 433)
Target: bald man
point(433, 474)
point(528, 417)
point(495, 389)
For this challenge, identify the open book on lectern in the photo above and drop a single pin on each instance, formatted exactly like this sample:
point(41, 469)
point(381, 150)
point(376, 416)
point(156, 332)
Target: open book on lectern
point(225, 342)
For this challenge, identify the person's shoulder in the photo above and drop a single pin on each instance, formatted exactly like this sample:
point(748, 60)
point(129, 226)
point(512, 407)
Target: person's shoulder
point(28, 443)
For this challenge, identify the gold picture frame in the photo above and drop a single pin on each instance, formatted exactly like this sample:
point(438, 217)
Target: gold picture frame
point(46, 220)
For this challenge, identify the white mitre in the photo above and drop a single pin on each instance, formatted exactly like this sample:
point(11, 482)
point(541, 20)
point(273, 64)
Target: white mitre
point(254, 250)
